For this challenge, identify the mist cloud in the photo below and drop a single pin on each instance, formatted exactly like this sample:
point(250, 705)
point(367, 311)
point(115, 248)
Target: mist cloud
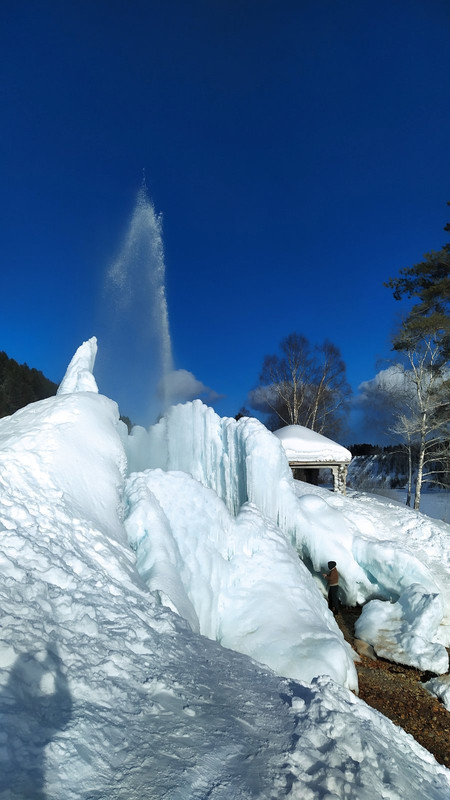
point(263, 398)
point(180, 385)
point(391, 380)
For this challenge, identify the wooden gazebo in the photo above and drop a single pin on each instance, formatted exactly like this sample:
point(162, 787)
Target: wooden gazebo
point(306, 449)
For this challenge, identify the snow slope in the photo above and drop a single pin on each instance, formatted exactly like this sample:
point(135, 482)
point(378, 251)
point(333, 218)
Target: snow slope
point(105, 693)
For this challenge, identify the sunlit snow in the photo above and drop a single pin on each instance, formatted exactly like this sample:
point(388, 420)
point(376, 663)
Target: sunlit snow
point(119, 552)
point(303, 444)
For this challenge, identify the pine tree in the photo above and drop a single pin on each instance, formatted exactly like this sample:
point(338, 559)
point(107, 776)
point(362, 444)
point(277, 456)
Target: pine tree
point(429, 283)
point(424, 340)
point(20, 385)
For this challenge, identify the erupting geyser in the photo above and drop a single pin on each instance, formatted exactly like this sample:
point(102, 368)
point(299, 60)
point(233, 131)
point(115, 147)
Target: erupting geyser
point(137, 278)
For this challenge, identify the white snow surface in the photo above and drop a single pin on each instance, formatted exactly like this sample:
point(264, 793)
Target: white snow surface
point(440, 688)
point(107, 694)
point(401, 631)
point(303, 444)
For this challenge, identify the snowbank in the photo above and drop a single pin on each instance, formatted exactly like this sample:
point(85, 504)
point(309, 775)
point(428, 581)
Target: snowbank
point(105, 693)
point(401, 631)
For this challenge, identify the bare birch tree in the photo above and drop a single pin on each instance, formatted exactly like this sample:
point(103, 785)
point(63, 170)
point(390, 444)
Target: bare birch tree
point(411, 401)
point(303, 385)
point(424, 340)
point(429, 422)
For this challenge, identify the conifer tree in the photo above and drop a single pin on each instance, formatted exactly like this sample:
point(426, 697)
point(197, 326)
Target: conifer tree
point(429, 283)
point(424, 340)
point(20, 385)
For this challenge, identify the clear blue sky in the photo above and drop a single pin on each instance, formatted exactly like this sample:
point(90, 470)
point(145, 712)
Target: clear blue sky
point(299, 152)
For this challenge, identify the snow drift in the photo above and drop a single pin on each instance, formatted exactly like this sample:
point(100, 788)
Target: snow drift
point(106, 693)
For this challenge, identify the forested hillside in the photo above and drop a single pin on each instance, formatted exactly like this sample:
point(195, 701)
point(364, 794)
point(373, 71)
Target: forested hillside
point(374, 467)
point(20, 385)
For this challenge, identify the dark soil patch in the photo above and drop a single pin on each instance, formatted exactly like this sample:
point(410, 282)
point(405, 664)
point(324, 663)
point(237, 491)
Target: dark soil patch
point(397, 692)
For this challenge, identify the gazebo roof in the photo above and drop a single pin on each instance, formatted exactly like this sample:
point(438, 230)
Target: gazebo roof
point(304, 446)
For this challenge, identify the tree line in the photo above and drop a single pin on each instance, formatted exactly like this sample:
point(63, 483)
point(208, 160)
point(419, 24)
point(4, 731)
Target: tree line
point(394, 463)
point(20, 385)
point(420, 401)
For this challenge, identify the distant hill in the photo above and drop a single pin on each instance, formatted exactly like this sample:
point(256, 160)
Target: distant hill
point(20, 385)
point(373, 467)
point(378, 470)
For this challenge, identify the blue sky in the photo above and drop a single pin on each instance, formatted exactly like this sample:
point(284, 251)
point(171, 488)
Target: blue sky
point(299, 153)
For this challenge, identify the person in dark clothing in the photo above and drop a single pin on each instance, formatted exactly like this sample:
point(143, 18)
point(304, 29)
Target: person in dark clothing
point(332, 578)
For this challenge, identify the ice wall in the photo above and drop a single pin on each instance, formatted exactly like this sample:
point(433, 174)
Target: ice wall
point(192, 438)
point(235, 579)
point(243, 462)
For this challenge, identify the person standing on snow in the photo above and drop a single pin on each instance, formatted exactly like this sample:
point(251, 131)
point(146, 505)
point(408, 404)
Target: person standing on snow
point(332, 578)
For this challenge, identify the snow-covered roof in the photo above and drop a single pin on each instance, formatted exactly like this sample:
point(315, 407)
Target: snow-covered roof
point(303, 444)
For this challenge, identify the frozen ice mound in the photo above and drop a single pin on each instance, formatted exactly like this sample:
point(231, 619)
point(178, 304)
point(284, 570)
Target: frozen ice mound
point(403, 631)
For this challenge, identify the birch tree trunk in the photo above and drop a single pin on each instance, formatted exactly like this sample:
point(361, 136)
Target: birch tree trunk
point(422, 446)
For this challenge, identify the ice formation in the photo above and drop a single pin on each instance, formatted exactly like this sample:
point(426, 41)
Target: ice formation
point(235, 579)
point(402, 631)
point(79, 375)
point(243, 463)
point(106, 693)
point(440, 688)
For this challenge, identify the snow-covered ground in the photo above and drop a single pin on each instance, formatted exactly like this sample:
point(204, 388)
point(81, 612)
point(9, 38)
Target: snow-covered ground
point(433, 503)
point(376, 474)
point(106, 692)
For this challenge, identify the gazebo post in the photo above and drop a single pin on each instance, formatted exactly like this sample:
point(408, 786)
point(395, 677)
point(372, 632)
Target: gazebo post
point(334, 472)
point(342, 478)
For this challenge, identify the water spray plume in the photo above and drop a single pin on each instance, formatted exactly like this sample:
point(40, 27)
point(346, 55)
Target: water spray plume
point(137, 278)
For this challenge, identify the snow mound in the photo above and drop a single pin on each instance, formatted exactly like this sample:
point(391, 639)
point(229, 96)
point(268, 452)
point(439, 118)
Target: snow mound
point(242, 462)
point(401, 631)
point(217, 571)
point(348, 757)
